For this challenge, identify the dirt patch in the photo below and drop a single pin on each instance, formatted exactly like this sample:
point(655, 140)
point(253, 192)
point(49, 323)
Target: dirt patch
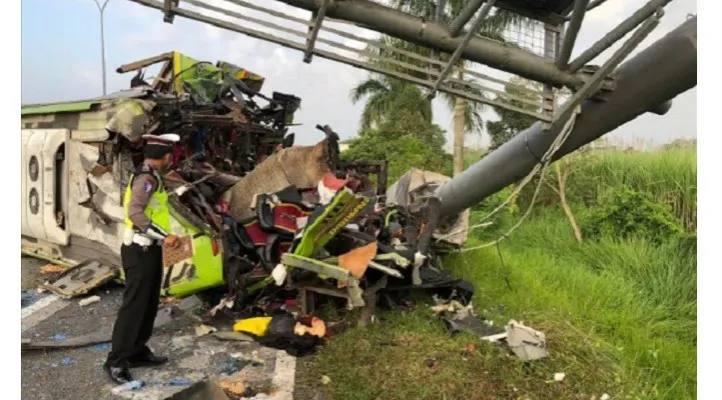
point(30, 272)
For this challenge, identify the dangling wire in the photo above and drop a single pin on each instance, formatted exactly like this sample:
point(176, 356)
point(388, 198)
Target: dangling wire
point(541, 167)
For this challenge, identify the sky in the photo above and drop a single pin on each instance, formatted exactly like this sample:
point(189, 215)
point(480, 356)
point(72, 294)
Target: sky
point(61, 60)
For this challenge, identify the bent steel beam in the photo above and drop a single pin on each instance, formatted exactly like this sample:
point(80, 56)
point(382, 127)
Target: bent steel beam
point(593, 84)
point(457, 25)
point(572, 31)
point(370, 15)
point(358, 62)
point(645, 83)
point(313, 31)
point(465, 42)
point(617, 33)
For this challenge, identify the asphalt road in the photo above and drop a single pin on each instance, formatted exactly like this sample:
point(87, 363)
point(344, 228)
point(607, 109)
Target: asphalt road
point(76, 374)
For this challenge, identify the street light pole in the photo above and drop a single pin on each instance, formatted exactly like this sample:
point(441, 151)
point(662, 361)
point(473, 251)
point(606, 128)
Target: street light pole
point(101, 9)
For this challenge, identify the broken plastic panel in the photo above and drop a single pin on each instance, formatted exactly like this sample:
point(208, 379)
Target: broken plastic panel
point(82, 278)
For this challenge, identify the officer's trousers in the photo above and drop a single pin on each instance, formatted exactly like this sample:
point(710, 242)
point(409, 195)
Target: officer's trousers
point(143, 267)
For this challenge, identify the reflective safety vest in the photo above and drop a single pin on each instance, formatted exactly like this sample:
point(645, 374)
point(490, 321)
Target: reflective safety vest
point(157, 209)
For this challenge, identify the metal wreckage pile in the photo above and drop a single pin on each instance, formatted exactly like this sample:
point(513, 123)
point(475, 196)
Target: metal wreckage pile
point(298, 225)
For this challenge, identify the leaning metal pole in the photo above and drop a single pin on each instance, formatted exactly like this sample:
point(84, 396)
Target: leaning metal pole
point(652, 78)
point(101, 10)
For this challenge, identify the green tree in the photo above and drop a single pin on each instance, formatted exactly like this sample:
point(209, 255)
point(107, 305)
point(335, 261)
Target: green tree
point(386, 96)
point(405, 141)
point(466, 115)
point(513, 122)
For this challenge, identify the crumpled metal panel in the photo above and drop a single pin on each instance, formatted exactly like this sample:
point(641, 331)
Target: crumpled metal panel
point(132, 119)
point(103, 192)
point(417, 184)
point(81, 278)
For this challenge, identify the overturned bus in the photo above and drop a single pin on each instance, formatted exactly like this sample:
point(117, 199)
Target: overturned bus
point(251, 208)
point(77, 157)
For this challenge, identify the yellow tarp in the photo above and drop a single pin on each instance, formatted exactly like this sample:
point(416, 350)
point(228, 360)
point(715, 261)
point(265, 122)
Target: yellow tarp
point(255, 326)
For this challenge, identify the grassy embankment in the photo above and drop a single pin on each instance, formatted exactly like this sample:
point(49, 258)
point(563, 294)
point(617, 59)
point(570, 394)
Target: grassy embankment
point(619, 315)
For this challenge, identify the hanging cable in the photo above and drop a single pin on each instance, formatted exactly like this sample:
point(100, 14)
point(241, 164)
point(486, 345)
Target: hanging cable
point(541, 167)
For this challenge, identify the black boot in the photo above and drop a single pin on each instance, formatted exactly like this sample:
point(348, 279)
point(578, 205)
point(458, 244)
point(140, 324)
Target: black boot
point(147, 360)
point(119, 375)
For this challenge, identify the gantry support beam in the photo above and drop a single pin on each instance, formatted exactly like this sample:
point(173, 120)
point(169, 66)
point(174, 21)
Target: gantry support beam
point(647, 82)
point(440, 4)
point(459, 50)
point(591, 86)
point(617, 33)
point(318, 17)
point(570, 36)
point(435, 35)
point(377, 17)
point(168, 7)
point(594, 4)
point(355, 61)
point(457, 25)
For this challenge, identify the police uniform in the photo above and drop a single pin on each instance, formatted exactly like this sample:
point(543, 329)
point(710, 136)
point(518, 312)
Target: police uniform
point(147, 223)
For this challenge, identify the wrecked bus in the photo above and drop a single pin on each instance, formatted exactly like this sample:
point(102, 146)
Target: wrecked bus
point(77, 157)
point(252, 209)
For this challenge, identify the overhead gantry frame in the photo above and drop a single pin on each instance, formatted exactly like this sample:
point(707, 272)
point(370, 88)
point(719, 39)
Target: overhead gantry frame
point(554, 72)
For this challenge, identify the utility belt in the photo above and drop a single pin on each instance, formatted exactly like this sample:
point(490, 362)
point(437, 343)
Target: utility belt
point(140, 239)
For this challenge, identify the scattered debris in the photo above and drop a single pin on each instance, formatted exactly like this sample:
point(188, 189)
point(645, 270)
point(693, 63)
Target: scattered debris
point(89, 300)
point(61, 341)
point(203, 330)
point(453, 306)
point(496, 338)
point(559, 376)
point(605, 397)
point(431, 362)
point(208, 389)
point(458, 317)
point(254, 360)
point(80, 279)
point(525, 342)
point(49, 269)
point(235, 387)
point(468, 351)
point(239, 336)
point(27, 298)
point(255, 326)
point(259, 396)
point(101, 346)
point(225, 303)
point(129, 386)
point(180, 382)
point(230, 365)
point(325, 380)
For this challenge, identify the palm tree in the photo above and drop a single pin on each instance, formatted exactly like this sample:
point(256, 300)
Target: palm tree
point(466, 115)
point(384, 96)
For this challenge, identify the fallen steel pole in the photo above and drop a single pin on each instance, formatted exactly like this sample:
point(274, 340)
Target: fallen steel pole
point(646, 83)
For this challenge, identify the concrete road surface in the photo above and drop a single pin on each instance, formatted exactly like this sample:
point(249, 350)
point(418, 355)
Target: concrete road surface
point(76, 374)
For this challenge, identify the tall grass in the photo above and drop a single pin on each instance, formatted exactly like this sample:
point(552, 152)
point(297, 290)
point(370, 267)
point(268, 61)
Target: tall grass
point(637, 298)
point(669, 176)
point(619, 315)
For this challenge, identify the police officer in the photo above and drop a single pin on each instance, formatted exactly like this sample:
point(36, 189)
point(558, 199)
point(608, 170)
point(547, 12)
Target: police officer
point(147, 227)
